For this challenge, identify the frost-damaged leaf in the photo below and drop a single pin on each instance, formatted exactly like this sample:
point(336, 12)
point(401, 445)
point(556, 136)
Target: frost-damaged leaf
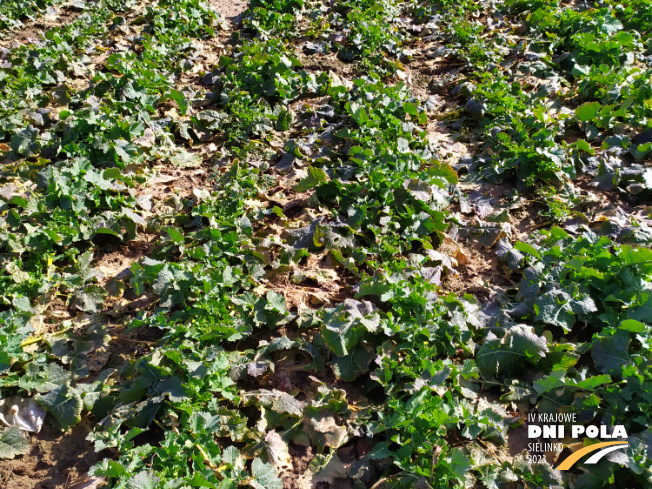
point(325, 468)
point(186, 159)
point(232, 456)
point(284, 164)
point(260, 445)
point(64, 404)
point(284, 120)
point(89, 299)
point(264, 476)
point(324, 431)
point(143, 480)
point(508, 354)
point(314, 178)
point(278, 401)
point(256, 369)
point(278, 450)
point(97, 178)
point(277, 344)
point(136, 218)
point(13, 442)
point(425, 192)
point(486, 233)
point(517, 391)
point(147, 140)
point(89, 482)
point(482, 203)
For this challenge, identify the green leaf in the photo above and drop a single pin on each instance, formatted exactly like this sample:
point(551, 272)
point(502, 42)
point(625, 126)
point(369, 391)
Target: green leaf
point(459, 464)
point(180, 99)
point(64, 404)
point(559, 356)
point(512, 353)
point(24, 142)
point(553, 309)
point(359, 114)
point(557, 380)
point(610, 353)
point(175, 234)
point(232, 456)
point(109, 468)
point(410, 108)
point(356, 363)
point(340, 329)
point(164, 280)
point(314, 178)
point(5, 361)
point(275, 302)
point(609, 24)
point(284, 120)
point(22, 303)
point(587, 111)
point(103, 230)
point(559, 308)
point(527, 248)
point(632, 325)
point(43, 377)
point(13, 441)
point(591, 383)
point(582, 145)
point(553, 381)
point(580, 70)
point(264, 476)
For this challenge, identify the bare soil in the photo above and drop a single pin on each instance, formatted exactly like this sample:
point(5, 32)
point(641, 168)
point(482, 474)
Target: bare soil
point(32, 31)
point(57, 460)
point(62, 460)
point(231, 9)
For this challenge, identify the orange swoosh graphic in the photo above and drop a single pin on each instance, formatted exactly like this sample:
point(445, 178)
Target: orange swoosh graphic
point(574, 457)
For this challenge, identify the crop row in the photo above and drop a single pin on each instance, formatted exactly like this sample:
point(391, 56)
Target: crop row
point(365, 162)
point(14, 12)
point(555, 92)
